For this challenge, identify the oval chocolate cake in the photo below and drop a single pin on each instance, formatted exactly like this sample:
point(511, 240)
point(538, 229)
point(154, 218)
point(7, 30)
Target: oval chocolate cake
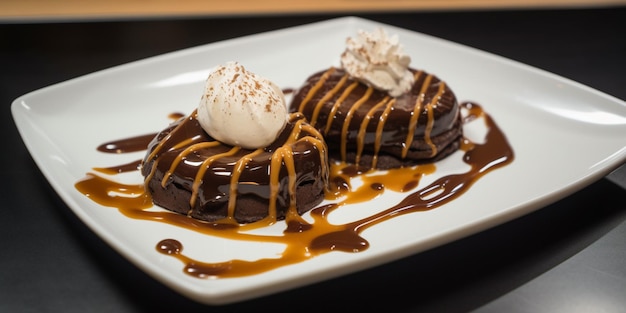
point(368, 127)
point(189, 172)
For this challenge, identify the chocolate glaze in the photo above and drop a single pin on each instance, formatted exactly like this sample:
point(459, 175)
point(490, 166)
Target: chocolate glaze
point(304, 240)
point(367, 127)
point(124, 146)
point(189, 172)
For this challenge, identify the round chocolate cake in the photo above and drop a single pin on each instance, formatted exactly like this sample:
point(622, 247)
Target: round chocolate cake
point(188, 172)
point(368, 127)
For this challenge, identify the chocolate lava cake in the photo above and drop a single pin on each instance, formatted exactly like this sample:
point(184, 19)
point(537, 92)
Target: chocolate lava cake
point(188, 172)
point(366, 126)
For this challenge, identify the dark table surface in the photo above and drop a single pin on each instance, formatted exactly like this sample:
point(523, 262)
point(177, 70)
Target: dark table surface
point(569, 256)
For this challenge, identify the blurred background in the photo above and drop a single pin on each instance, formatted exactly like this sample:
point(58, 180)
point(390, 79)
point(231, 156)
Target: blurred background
point(37, 10)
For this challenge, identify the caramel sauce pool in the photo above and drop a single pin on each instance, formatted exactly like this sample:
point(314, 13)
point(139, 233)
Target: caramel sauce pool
point(304, 240)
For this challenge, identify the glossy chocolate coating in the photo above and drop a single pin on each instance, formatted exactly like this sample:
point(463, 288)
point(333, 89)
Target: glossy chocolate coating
point(328, 99)
point(189, 172)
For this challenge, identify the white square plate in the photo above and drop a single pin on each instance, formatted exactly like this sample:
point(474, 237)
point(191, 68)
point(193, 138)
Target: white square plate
point(564, 135)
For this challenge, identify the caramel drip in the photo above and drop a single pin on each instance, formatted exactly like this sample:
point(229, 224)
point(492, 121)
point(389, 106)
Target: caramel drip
point(431, 119)
point(297, 130)
point(151, 173)
point(379, 131)
point(284, 155)
point(197, 181)
point(348, 119)
point(160, 145)
point(326, 97)
point(360, 139)
point(337, 104)
point(416, 113)
point(234, 181)
point(182, 155)
point(317, 140)
point(315, 88)
point(184, 143)
point(314, 137)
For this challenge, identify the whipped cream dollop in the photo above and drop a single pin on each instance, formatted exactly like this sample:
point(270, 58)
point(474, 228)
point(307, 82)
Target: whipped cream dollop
point(240, 108)
point(378, 60)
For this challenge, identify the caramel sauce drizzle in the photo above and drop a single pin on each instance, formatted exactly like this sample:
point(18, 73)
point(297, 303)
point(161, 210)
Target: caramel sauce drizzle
point(283, 155)
point(202, 170)
point(348, 119)
point(431, 119)
point(360, 139)
point(234, 180)
point(317, 140)
point(379, 131)
point(336, 105)
point(183, 154)
point(314, 90)
point(304, 240)
point(416, 113)
point(325, 98)
point(160, 145)
point(332, 116)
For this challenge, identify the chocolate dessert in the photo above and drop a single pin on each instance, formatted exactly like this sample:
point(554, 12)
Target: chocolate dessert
point(376, 111)
point(191, 173)
point(369, 127)
point(239, 157)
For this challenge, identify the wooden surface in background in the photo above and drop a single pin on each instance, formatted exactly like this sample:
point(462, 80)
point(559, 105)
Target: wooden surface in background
point(24, 10)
